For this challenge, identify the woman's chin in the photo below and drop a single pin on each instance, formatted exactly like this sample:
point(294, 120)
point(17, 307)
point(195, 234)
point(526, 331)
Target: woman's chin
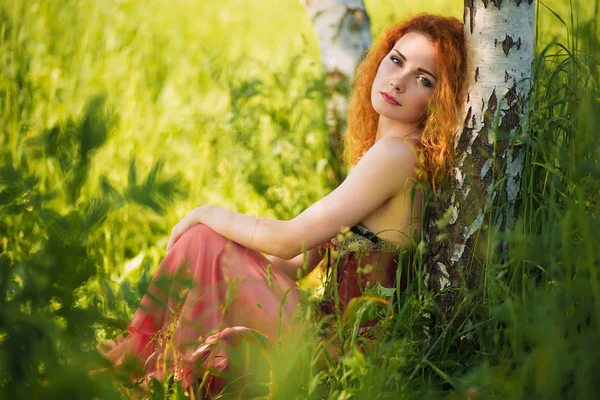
point(382, 109)
point(383, 113)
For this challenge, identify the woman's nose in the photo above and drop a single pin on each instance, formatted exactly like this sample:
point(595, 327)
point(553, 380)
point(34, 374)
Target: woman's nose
point(398, 82)
point(398, 85)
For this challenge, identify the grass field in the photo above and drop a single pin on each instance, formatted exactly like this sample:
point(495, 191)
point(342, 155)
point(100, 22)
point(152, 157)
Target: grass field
point(118, 117)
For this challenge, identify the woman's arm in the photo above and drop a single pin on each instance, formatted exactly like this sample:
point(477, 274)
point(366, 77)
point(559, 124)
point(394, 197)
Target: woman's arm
point(241, 232)
point(386, 169)
point(256, 233)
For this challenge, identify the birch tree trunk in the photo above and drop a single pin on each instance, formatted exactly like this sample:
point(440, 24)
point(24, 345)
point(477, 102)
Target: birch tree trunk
point(344, 34)
point(484, 185)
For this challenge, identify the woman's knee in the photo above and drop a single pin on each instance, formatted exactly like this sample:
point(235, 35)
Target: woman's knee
point(202, 233)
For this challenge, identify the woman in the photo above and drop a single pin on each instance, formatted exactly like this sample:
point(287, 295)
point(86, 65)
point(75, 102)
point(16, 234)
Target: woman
point(215, 286)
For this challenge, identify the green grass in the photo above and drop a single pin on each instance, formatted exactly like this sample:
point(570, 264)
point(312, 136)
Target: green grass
point(118, 117)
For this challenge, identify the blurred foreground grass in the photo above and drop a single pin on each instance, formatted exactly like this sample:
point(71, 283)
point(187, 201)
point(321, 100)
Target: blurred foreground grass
point(118, 117)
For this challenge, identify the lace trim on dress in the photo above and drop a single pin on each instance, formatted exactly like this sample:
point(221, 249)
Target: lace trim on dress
point(358, 239)
point(362, 238)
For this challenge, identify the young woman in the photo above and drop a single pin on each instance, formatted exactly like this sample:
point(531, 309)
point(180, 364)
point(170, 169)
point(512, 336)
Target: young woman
point(215, 285)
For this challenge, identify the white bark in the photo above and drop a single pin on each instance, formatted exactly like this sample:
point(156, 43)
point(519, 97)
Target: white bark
point(343, 31)
point(500, 41)
point(344, 34)
point(500, 37)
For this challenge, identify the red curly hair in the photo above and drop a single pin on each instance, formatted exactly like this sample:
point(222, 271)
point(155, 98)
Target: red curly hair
point(441, 119)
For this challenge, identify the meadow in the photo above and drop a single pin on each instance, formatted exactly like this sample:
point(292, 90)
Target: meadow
point(118, 117)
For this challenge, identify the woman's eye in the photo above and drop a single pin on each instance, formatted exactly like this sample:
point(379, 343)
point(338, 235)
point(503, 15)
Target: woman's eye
point(396, 60)
point(425, 81)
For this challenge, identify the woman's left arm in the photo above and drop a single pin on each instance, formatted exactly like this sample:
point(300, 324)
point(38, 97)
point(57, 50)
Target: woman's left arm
point(385, 169)
point(261, 234)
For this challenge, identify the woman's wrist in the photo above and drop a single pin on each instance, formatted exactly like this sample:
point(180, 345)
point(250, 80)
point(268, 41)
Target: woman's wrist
point(201, 212)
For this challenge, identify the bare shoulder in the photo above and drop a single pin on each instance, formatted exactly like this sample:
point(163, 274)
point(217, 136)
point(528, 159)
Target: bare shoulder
point(394, 150)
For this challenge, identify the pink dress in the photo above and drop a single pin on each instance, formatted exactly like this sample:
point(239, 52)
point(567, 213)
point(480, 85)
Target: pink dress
point(208, 296)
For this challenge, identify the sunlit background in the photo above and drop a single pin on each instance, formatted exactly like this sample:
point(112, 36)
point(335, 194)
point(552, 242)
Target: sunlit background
point(228, 97)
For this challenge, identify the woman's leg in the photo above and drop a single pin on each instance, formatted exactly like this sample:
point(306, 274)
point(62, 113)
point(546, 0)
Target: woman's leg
point(204, 284)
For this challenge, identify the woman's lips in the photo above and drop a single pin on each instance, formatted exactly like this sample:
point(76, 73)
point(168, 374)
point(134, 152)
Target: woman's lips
point(389, 99)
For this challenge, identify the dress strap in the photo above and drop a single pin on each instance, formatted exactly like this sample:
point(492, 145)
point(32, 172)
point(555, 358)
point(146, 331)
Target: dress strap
point(363, 239)
point(362, 230)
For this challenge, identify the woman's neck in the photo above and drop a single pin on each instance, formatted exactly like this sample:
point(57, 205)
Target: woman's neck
point(387, 127)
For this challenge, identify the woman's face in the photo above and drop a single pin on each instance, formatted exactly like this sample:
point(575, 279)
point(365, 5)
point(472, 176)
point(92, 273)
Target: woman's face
point(405, 79)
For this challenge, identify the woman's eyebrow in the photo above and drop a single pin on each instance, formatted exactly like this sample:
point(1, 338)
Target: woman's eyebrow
point(402, 56)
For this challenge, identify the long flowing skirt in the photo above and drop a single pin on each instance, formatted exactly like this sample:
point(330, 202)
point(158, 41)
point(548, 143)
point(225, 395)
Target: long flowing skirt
point(208, 295)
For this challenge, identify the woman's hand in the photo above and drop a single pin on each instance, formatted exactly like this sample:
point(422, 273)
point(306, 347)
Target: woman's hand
point(192, 218)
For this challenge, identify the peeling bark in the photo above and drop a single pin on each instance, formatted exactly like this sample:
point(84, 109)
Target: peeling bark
point(500, 40)
point(344, 33)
